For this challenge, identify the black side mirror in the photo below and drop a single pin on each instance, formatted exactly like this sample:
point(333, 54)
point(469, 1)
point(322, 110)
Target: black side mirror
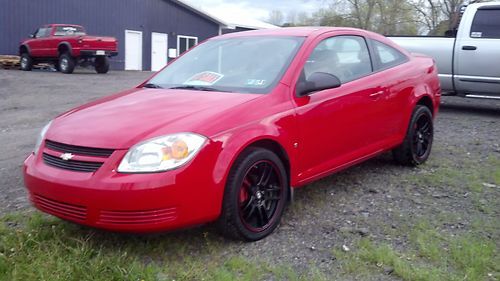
point(317, 81)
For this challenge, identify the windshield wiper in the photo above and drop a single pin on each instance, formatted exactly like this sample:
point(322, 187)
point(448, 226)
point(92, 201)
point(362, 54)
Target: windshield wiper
point(198, 88)
point(152, 86)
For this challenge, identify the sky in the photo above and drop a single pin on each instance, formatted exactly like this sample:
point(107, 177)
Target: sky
point(257, 9)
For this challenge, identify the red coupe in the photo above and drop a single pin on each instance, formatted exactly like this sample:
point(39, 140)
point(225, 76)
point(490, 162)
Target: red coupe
point(227, 131)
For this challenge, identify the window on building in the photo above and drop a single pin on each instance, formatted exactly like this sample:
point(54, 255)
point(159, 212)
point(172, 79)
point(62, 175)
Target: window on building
point(346, 57)
point(486, 24)
point(185, 43)
point(387, 55)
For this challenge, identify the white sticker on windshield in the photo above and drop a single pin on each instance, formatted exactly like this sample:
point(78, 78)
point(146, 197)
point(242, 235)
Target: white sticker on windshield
point(476, 34)
point(206, 78)
point(256, 82)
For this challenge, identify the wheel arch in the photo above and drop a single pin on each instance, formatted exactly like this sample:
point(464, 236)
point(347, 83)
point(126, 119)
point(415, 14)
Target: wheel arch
point(426, 100)
point(24, 48)
point(64, 47)
point(235, 147)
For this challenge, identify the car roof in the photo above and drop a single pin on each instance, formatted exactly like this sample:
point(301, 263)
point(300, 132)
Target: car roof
point(291, 31)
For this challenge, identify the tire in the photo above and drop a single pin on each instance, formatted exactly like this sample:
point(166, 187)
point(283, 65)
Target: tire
point(417, 144)
point(66, 63)
point(101, 64)
point(255, 196)
point(26, 62)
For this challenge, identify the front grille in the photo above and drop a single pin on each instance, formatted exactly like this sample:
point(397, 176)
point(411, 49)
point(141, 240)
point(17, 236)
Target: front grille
point(138, 217)
point(60, 209)
point(72, 165)
point(79, 150)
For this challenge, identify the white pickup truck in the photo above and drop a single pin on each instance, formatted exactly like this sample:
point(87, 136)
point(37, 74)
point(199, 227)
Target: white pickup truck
point(469, 64)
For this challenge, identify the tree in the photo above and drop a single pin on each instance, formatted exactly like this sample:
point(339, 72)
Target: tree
point(276, 17)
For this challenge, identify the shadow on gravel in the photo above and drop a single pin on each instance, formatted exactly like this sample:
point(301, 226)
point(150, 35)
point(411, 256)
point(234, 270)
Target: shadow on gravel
point(484, 110)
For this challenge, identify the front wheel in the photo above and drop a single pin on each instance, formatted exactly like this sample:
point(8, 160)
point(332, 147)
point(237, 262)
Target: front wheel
point(26, 62)
point(101, 64)
point(417, 144)
point(255, 196)
point(66, 63)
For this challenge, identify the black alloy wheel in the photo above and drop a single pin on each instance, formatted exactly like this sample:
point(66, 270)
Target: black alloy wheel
point(417, 144)
point(255, 196)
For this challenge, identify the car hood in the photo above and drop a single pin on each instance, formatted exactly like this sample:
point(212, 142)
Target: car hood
point(125, 119)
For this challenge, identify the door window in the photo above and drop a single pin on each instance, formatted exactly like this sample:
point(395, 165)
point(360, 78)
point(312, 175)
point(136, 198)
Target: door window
point(486, 24)
point(185, 43)
point(43, 32)
point(387, 55)
point(346, 57)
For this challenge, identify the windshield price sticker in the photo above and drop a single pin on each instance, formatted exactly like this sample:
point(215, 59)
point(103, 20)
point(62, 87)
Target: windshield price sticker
point(206, 78)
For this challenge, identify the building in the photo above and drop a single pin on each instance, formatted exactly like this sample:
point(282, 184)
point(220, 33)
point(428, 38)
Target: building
point(147, 30)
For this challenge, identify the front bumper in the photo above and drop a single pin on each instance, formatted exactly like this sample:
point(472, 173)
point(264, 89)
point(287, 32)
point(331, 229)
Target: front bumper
point(136, 203)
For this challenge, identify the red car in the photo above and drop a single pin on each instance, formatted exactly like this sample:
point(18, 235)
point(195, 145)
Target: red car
point(67, 45)
point(227, 131)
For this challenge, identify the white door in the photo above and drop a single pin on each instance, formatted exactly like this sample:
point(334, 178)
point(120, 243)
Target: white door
point(133, 50)
point(159, 49)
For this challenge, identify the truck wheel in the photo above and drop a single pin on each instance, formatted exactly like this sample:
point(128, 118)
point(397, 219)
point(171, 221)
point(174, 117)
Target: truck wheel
point(417, 144)
point(66, 63)
point(26, 62)
point(101, 64)
point(255, 196)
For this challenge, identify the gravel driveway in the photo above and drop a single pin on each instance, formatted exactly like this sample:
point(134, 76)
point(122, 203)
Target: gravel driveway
point(376, 199)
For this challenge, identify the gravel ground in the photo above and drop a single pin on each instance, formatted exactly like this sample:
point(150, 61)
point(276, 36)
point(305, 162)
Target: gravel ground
point(376, 199)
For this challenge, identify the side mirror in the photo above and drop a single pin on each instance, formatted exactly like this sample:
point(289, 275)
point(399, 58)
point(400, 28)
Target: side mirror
point(317, 81)
point(32, 36)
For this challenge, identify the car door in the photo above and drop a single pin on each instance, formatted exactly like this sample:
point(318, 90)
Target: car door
point(477, 57)
point(338, 126)
point(38, 45)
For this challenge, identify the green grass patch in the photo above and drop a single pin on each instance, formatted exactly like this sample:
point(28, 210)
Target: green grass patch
point(430, 256)
point(38, 247)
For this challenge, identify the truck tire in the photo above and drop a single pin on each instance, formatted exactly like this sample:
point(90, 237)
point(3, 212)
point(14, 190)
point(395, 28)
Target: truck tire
point(101, 64)
point(417, 144)
point(66, 63)
point(26, 62)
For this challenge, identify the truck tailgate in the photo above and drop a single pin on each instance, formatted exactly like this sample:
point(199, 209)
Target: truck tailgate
point(99, 43)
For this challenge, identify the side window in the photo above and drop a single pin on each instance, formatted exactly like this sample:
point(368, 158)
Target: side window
point(42, 32)
point(387, 55)
point(346, 57)
point(486, 24)
point(185, 43)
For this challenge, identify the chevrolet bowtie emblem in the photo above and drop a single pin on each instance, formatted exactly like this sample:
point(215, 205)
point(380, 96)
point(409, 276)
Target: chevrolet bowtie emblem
point(66, 156)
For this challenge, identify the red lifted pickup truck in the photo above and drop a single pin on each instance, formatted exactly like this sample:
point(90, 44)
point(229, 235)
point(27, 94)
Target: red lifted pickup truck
point(67, 45)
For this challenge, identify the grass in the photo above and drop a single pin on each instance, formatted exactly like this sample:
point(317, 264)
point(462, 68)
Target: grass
point(37, 247)
point(430, 256)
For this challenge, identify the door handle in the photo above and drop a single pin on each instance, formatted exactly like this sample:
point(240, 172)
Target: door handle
point(376, 94)
point(469, 48)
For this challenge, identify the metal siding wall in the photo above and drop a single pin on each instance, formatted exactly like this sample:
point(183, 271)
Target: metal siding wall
point(18, 18)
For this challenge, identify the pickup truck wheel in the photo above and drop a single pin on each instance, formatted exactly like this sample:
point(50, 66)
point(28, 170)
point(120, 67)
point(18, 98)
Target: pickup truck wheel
point(101, 64)
point(417, 144)
point(255, 196)
point(66, 63)
point(26, 62)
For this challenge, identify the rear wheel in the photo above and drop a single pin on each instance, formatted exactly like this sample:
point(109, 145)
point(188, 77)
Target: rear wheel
point(66, 63)
point(417, 144)
point(101, 64)
point(255, 196)
point(26, 62)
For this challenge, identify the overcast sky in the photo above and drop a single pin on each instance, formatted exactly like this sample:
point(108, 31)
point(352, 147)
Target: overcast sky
point(258, 9)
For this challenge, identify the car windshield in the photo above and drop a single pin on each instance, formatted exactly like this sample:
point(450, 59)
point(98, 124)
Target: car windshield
point(69, 31)
point(242, 64)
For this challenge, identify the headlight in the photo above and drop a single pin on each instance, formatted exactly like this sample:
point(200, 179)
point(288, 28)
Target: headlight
point(41, 136)
point(161, 153)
